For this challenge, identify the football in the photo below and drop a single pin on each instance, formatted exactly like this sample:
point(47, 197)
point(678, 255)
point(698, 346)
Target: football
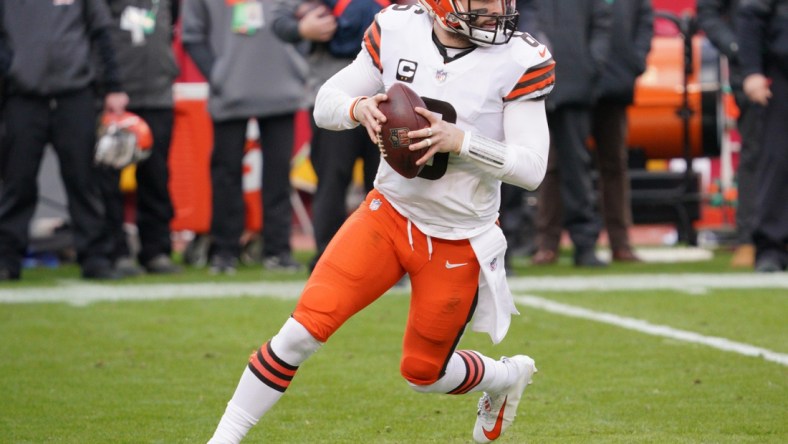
point(393, 139)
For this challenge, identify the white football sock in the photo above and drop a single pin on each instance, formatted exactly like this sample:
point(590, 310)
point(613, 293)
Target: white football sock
point(234, 425)
point(470, 371)
point(293, 344)
point(498, 376)
point(253, 397)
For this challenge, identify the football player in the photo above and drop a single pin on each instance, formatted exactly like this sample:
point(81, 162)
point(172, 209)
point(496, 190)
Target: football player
point(484, 83)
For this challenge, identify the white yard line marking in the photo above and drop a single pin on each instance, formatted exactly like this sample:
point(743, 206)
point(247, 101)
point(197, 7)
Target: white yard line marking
point(690, 283)
point(80, 292)
point(83, 293)
point(651, 329)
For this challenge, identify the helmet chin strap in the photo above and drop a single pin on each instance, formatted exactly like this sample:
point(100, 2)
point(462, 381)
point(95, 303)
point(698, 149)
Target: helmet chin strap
point(484, 36)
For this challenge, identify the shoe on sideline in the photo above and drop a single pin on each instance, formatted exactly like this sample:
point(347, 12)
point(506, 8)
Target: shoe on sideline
point(282, 262)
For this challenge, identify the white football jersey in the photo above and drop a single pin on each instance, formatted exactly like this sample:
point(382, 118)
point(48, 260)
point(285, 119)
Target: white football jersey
point(452, 198)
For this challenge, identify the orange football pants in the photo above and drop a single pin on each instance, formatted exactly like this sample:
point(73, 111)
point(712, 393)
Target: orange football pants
point(368, 255)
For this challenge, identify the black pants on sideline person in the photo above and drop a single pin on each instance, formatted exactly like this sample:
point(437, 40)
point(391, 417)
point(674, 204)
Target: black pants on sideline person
point(154, 209)
point(227, 221)
point(68, 122)
point(333, 155)
point(771, 224)
point(567, 198)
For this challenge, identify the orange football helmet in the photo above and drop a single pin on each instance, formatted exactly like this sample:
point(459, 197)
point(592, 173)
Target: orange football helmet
point(456, 16)
point(123, 139)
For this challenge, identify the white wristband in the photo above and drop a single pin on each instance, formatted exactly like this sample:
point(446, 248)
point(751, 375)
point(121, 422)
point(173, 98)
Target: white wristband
point(483, 149)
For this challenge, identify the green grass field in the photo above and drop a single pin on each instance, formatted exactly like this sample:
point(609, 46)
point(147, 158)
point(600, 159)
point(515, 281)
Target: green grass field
point(161, 370)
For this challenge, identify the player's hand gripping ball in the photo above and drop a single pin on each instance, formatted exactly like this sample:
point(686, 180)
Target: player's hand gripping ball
point(393, 139)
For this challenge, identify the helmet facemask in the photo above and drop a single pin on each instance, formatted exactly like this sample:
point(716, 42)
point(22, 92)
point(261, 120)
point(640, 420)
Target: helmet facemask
point(477, 25)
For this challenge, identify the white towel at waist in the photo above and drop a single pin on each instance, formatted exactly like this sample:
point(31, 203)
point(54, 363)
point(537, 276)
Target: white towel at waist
point(495, 305)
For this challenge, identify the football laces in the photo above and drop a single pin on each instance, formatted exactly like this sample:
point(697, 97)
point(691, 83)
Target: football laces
point(380, 145)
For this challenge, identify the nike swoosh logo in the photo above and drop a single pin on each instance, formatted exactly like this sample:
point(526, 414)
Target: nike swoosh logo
point(495, 432)
point(449, 265)
point(542, 51)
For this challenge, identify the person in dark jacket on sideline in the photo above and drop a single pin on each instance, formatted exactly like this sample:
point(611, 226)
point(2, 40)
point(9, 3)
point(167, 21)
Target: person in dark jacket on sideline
point(333, 153)
point(762, 32)
point(517, 217)
point(633, 28)
point(578, 32)
point(251, 74)
point(50, 98)
point(715, 19)
point(147, 69)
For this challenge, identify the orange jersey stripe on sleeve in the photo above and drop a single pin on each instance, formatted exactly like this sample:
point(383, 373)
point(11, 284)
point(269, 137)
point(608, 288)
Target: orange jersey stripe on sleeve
point(534, 79)
point(372, 43)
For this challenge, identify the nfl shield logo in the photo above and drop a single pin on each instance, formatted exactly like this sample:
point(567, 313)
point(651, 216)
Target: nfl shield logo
point(375, 204)
point(440, 76)
point(399, 137)
point(494, 264)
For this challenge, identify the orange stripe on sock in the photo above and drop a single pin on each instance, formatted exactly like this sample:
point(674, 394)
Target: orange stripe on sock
point(276, 363)
point(475, 368)
point(271, 370)
point(470, 375)
point(479, 366)
point(269, 377)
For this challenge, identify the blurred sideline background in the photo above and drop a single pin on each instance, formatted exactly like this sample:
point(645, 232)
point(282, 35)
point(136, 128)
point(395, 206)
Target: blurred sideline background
point(672, 205)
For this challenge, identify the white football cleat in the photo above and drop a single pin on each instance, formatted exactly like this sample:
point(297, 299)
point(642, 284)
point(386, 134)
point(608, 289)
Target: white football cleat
point(497, 411)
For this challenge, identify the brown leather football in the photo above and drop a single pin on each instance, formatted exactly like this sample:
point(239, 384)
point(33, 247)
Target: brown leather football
point(393, 139)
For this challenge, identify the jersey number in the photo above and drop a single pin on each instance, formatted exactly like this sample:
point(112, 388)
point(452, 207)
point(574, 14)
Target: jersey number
point(437, 167)
point(406, 7)
point(530, 40)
